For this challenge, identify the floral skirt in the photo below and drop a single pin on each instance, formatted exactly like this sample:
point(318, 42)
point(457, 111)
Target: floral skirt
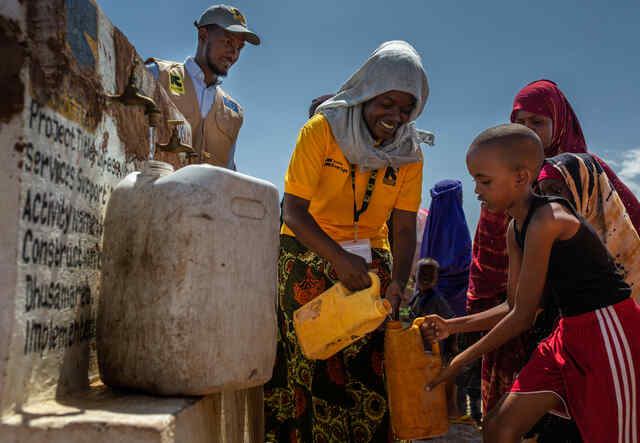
point(341, 399)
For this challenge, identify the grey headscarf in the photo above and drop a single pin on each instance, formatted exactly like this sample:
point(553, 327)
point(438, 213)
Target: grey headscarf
point(395, 65)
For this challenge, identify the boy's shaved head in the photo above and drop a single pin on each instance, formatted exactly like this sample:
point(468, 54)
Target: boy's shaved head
point(516, 145)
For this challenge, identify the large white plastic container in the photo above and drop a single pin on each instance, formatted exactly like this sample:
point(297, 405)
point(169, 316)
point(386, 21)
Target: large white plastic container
point(189, 281)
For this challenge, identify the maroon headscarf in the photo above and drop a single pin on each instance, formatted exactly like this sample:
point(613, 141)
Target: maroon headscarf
point(543, 97)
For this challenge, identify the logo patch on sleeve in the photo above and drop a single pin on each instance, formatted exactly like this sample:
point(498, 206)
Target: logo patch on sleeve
point(230, 104)
point(176, 84)
point(331, 163)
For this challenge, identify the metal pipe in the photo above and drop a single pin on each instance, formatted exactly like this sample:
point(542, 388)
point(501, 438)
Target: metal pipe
point(152, 143)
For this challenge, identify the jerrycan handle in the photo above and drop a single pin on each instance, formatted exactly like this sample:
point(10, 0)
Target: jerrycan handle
point(435, 346)
point(375, 285)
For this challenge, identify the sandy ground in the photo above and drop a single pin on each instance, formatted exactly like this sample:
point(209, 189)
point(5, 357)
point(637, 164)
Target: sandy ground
point(458, 433)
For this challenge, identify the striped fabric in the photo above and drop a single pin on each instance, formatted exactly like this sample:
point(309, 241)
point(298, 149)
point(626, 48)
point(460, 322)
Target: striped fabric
point(489, 265)
point(623, 372)
point(598, 202)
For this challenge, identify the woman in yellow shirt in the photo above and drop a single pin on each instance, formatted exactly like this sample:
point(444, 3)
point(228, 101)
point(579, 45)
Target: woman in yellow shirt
point(357, 161)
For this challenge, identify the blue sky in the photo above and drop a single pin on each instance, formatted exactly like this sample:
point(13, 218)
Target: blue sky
point(477, 56)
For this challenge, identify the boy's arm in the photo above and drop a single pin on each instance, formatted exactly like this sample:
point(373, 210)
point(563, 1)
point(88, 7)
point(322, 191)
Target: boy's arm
point(435, 327)
point(438, 328)
point(542, 232)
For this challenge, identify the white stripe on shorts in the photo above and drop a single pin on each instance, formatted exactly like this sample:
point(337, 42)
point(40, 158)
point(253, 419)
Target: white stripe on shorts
point(632, 372)
point(626, 398)
point(614, 372)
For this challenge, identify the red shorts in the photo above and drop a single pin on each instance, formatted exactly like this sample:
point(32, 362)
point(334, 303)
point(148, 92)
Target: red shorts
point(592, 363)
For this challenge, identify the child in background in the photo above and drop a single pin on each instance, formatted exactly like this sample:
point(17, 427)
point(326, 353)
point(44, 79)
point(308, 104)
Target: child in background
point(427, 301)
point(585, 369)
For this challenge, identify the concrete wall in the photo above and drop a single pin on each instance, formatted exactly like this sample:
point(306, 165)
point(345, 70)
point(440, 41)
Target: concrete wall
point(64, 148)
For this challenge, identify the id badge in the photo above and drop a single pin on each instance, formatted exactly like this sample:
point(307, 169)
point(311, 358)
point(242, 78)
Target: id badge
point(359, 247)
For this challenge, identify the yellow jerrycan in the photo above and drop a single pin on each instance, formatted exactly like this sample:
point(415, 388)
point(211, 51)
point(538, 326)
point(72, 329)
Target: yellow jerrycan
point(338, 317)
point(415, 413)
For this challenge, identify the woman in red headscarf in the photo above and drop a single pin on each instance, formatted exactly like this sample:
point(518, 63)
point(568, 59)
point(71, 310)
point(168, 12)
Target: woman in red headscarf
point(543, 108)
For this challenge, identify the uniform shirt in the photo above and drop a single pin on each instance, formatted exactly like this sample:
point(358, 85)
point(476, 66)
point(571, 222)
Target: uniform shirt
point(319, 172)
point(206, 95)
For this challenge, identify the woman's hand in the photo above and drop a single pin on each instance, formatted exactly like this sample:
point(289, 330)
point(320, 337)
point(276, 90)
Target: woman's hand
point(435, 328)
point(352, 271)
point(395, 296)
point(446, 374)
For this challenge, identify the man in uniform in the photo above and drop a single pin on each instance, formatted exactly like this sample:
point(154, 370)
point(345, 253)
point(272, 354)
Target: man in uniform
point(193, 86)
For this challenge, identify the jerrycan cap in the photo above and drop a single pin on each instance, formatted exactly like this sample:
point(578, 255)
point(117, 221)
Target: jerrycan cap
point(384, 306)
point(154, 168)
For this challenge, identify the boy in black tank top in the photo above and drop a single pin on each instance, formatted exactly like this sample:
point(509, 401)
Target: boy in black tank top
point(589, 367)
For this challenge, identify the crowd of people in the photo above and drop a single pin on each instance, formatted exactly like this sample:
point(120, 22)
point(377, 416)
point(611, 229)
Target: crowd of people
point(538, 312)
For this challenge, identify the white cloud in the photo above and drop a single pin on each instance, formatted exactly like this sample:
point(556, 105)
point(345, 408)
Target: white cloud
point(608, 161)
point(630, 172)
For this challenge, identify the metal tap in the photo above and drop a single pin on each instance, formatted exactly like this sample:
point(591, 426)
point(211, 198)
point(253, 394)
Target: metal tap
point(197, 158)
point(131, 96)
point(175, 145)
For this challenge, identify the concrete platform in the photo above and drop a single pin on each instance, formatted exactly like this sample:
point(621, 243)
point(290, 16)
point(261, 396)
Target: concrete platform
point(102, 415)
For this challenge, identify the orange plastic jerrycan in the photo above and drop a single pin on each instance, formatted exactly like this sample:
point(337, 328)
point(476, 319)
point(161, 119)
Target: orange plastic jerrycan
point(415, 413)
point(338, 317)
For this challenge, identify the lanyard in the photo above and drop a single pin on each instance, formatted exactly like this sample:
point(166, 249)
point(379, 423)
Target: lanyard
point(365, 200)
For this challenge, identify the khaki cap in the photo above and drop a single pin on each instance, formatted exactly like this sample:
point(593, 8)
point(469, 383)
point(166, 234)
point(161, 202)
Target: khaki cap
point(229, 18)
